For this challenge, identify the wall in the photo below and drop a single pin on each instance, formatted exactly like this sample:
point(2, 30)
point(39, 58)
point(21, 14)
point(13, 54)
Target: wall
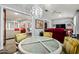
point(1, 28)
point(62, 21)
point(50, 23)
point(77, 23)
point(35, 32)
point(27, 25)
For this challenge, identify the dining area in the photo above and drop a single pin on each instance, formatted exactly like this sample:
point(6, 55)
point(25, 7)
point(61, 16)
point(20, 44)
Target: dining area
point(39, 45)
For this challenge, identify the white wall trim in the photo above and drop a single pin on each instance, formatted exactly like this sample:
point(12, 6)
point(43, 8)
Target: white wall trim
point(12, 9)
point(2, 29)
point(62, 18)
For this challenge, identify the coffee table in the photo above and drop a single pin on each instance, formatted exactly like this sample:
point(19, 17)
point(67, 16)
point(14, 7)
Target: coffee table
point(40, 45)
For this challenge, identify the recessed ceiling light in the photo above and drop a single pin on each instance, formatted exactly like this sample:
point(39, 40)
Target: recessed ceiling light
point(59, 15)
point(16, 13)
point(46, 10)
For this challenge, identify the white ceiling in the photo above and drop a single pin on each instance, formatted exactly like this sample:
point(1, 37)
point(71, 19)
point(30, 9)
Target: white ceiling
point(54, 10)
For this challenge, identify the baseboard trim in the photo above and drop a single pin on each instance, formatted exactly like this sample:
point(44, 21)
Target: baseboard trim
point(9, 38)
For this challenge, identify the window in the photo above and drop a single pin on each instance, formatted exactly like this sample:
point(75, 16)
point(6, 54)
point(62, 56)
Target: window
point(11, 25)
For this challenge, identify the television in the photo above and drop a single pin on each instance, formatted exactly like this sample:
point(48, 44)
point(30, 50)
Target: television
point(61, 26)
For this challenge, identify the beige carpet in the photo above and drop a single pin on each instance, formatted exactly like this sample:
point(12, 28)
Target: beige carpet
point(10, 47)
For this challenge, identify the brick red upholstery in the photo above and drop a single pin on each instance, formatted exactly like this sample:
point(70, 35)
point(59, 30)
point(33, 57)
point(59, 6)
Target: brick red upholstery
point(23, 30)
point(58, 33)
point(16, 29)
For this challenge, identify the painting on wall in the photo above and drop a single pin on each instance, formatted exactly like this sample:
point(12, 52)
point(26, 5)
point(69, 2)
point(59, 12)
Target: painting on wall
point(39, 24)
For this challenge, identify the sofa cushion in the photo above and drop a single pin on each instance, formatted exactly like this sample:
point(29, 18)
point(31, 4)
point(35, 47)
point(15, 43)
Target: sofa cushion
point(58, 33)
point(20, 37)
point(48, 34)
point(71, 45)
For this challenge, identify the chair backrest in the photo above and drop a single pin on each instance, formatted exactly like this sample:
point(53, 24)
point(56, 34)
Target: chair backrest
point(20, 37)
point(71, 45)
point(58, 33)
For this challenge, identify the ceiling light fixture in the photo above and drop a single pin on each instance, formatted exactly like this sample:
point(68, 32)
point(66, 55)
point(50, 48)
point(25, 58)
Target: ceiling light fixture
point(36, 11)
point(59, 15)
point(16, 13)
point(46, 10)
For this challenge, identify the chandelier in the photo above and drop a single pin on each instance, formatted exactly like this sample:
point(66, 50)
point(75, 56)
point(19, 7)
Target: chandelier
point(36, 11)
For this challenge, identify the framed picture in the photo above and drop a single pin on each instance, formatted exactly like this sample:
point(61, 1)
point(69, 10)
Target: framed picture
point(39, 24)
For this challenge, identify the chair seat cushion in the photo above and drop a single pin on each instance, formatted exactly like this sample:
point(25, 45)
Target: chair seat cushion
point(20, 37)
point(48, 34)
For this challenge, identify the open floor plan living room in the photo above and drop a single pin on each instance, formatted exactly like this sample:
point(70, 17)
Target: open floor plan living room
point(39, 29)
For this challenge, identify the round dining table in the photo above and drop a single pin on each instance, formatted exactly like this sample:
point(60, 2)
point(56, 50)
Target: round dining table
point(40, 45)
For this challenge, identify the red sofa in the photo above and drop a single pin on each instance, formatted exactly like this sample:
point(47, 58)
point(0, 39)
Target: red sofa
point(58, 33)
point(22, 30)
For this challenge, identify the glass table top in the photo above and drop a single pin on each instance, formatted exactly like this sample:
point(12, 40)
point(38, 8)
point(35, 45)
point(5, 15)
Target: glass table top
point(35, 48)
point(38, 45)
